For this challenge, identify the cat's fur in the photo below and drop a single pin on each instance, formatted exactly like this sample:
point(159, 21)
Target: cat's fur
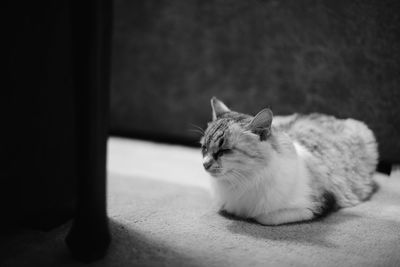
point(287, 169)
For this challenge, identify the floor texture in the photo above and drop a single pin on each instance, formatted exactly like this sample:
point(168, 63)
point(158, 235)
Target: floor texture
point(162, 215)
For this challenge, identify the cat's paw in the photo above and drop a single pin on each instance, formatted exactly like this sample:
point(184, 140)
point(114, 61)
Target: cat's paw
point(267, 219)
point(285, 216)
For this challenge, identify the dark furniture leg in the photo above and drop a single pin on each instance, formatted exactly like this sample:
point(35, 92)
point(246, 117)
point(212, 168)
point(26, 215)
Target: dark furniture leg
point(89, 236)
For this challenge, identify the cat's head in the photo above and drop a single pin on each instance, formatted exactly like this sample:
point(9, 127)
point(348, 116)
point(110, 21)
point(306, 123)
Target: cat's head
point(234, 142)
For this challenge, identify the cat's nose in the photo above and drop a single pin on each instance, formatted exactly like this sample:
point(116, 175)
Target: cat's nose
point(207, 163)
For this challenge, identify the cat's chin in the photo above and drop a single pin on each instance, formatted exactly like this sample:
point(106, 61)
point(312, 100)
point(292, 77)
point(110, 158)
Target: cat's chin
point(220, 175)
point(216, 173)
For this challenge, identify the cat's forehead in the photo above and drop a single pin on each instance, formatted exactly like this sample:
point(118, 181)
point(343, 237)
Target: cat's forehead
point(220, 127)
point(215, 130)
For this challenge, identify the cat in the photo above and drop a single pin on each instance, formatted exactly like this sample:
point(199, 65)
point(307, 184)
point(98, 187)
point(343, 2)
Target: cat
point(287, 169)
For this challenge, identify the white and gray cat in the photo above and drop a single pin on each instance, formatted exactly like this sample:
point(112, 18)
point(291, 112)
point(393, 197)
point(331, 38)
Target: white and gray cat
point(287, 168)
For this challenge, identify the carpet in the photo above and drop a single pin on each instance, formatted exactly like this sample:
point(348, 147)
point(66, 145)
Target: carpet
point(161, 214)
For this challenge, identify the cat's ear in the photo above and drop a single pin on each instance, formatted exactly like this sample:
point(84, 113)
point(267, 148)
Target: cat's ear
point(218, 108)
point(261, 123)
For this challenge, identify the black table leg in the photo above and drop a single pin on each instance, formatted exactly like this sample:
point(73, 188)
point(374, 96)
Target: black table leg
point(89, 236)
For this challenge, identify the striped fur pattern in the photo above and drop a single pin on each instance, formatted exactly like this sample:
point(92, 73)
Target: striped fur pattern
point(287, 169)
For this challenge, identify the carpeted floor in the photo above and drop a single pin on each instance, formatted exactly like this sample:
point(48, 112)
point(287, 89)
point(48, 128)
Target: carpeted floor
point(162, 215)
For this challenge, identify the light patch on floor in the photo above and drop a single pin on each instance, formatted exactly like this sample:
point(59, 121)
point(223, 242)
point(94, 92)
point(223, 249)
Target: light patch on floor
point(170, 163)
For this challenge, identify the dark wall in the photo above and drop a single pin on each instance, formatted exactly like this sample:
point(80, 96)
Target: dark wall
point(336, 57)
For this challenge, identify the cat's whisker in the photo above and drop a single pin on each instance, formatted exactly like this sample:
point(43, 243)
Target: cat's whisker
point(239, 179)
point(196, 131)
point(197, 127)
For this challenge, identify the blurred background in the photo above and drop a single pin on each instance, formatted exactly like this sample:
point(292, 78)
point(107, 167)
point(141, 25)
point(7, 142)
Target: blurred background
point(336, 57)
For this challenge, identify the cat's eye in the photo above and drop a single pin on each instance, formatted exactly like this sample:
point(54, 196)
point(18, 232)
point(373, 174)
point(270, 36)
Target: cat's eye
point(222, 152)
point(221, 142)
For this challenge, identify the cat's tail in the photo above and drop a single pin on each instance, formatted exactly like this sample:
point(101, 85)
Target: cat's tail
point(369, 144)
point(362, 143)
